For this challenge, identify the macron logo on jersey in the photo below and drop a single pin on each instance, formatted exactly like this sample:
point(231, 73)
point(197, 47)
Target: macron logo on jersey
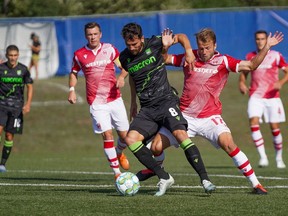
point(98, 63)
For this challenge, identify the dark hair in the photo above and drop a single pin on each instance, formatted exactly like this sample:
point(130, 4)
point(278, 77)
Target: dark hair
point(91, 25)
point(32, 35)
point(130, 30)
point(261, 32)
point(11, 48)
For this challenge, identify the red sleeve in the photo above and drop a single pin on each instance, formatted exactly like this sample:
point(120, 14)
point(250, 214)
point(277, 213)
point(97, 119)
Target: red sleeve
point(76, 67)
point(178, 60)
point(232, 63)
point(282, 62)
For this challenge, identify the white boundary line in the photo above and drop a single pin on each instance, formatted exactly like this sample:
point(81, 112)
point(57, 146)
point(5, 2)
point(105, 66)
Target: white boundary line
point(110, 173)
point(112, 186)
point(80, 100)
point(145, 186)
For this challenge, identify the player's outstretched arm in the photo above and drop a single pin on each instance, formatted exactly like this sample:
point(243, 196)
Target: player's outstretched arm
point(256, 61)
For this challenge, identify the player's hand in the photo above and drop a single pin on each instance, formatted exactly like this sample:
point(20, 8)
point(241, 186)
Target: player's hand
point(189, 59)
point(26, 109)
point(120, 82)
point(275, 39)
point(243, 88)
point(167, 37)
point(72, 98)
point(277, 85)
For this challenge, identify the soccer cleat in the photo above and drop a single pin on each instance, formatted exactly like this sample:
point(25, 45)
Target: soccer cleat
point(260, 190)
point(145, 174)
point(2, 169)
point(208, 186)
point(163, 185)
point(263, 162)
point(117, 175)
point(123, 161)
point(280, 164)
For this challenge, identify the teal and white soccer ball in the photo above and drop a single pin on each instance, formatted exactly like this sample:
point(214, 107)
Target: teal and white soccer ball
point(127, 184)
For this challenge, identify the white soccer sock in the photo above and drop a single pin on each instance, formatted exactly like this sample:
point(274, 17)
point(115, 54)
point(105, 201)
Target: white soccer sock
point(258, 140)
point(111, 155)
point(242, 163)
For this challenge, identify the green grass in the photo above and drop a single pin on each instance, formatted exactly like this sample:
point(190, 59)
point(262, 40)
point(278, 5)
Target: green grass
point(58, 167)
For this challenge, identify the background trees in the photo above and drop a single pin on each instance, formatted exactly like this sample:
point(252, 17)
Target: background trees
point(40, 8)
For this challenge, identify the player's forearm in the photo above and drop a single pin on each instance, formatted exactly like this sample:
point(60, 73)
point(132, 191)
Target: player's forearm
point(29, 94)
point(72, 80)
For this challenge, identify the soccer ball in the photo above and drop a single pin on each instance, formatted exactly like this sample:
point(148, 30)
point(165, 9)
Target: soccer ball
point(127, 184)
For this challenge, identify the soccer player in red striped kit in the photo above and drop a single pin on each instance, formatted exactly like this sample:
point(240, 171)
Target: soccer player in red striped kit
point(264, 98)
point(97, 60)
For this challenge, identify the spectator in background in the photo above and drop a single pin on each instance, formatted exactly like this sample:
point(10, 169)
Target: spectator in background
point(264, 93)
point(35, 48)
point(97, 60)
point(12, 105)
point(2, 57)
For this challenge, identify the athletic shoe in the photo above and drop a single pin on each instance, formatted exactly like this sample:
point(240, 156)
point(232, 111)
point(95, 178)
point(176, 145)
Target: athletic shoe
point(117, 175)
point(263, 162)
point(124, 163)
point(163, 185)
point(2, 168)
point(208, 186)
point(280, 164)
point(260, 190)
point(145, 174)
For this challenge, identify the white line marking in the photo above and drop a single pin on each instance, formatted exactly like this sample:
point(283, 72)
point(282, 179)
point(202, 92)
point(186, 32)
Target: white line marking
point(110, 173)
point(112, 186)
point(80, 100)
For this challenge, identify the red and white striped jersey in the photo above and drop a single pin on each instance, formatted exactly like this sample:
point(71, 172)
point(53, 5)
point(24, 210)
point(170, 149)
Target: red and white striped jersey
point(203, 85)
point(99, 71)
point(264, 77)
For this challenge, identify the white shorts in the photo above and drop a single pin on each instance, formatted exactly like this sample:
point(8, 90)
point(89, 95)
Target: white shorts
point(108, 116)
point(209, 128)
point(272, 109)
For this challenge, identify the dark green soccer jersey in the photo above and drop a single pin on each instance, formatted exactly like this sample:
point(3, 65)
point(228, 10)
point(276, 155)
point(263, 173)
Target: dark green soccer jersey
point(12, 83)
point(148, 72)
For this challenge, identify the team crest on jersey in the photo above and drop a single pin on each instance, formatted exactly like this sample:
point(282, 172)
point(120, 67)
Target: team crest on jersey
point(148, 51)
point(128, 60)
point(85, 56)
point(104, 52)
point(19, 72)
point(98, 125)
point(5, 72)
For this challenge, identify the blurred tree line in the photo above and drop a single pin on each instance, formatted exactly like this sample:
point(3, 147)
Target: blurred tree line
point(40, 8)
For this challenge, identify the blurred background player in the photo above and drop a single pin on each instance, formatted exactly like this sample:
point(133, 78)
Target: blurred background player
point(14, 76)
point(35, 49)
point(96, 60)
point(264, 93)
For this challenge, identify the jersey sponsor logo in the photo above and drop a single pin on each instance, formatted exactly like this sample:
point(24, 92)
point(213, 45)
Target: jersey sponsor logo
point(142, 64)
point(11, 79)
point(206, 70)
point(98, 63)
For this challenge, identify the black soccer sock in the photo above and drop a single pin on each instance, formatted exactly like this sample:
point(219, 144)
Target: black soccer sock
point(144, 155)
point(194, 157)
point(6, 151)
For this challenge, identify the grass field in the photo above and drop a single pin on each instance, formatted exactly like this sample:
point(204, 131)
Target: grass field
point(58, 167)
